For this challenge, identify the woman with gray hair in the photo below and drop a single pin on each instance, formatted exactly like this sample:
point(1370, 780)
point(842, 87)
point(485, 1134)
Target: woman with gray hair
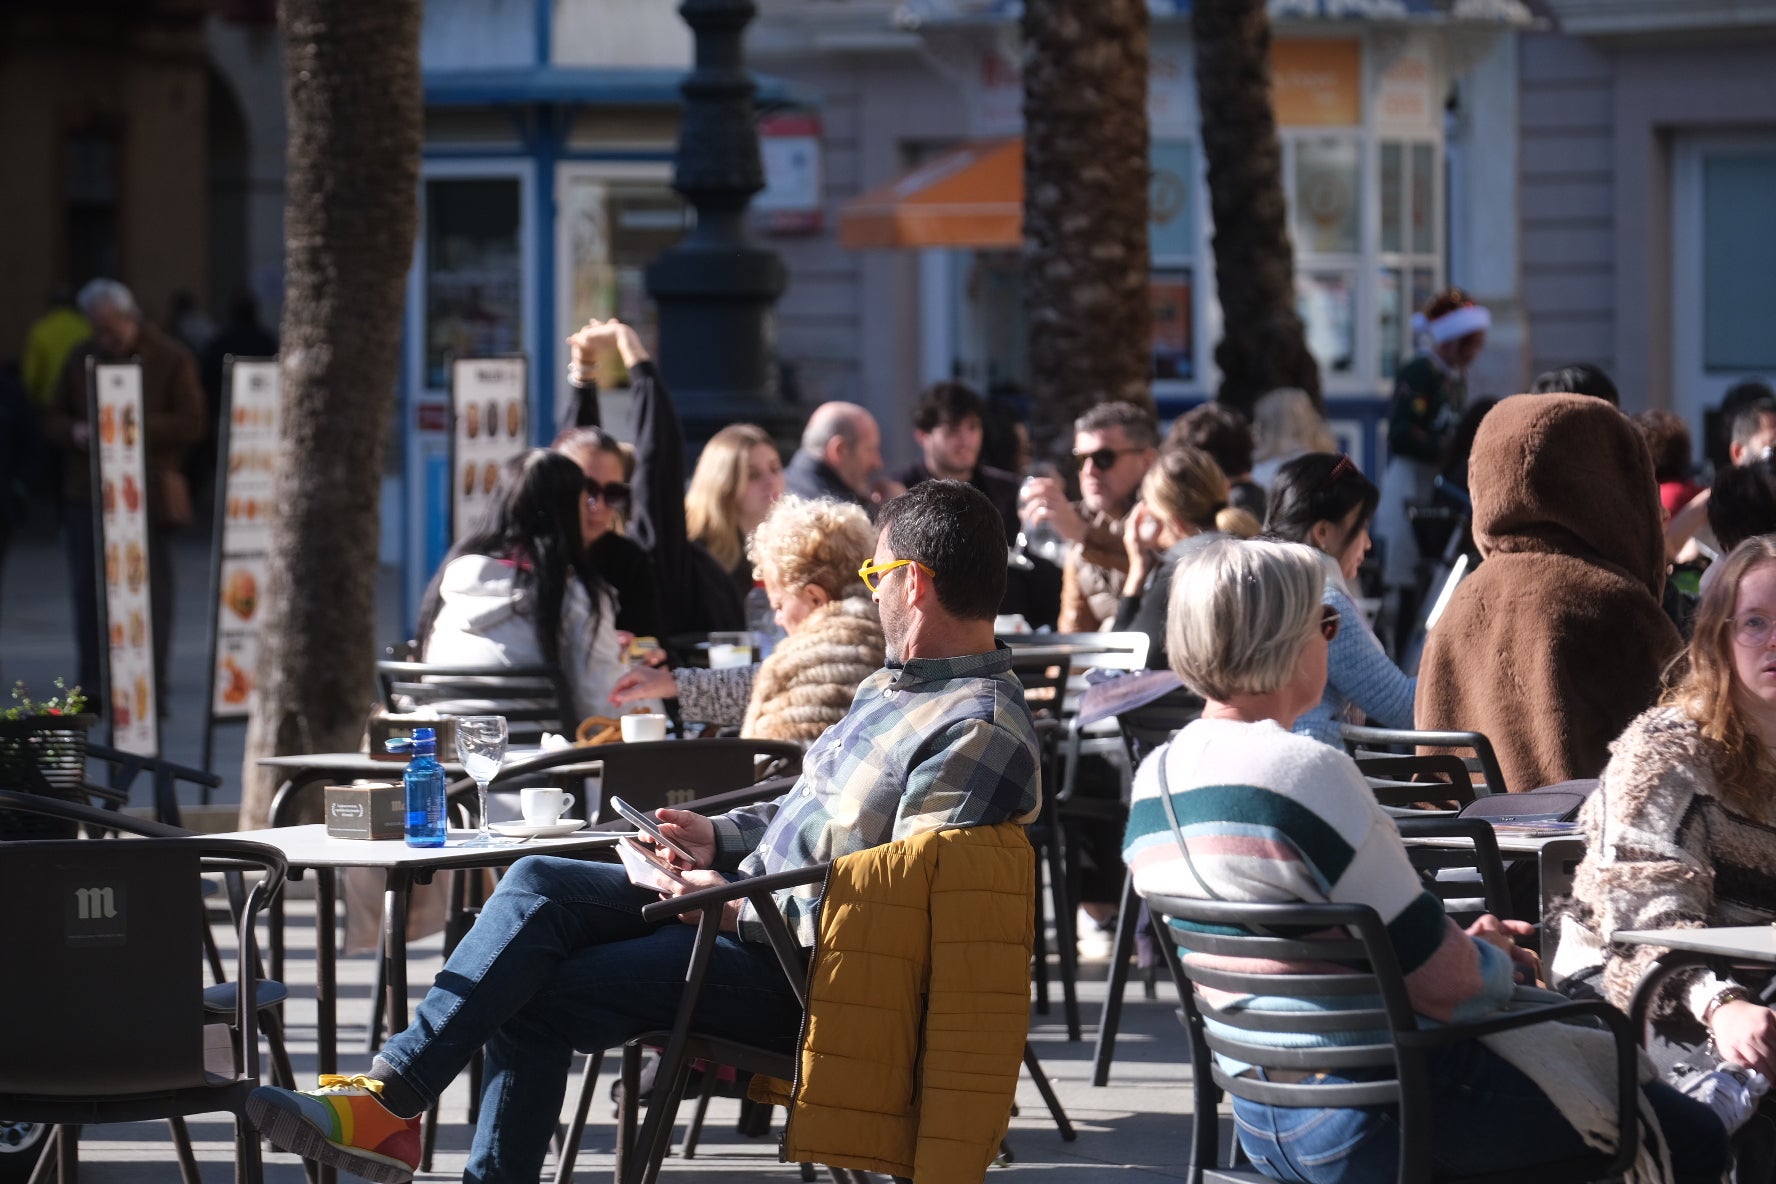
point(1258, 814)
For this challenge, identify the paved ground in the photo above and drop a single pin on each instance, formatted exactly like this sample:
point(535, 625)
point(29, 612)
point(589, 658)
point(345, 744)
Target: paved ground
point(1138, 1124)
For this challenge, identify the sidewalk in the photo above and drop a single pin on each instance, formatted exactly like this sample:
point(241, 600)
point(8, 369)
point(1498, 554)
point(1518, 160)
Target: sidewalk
point(1140, 1123)
point(37, 643)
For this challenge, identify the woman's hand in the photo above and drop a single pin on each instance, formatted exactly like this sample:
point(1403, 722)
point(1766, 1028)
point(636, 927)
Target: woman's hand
point(696, 881)
point(1493, 931)
point(1745, 1033)
point(690, 830)
point(644, 682)
point(599, 335)
point(1139, 532)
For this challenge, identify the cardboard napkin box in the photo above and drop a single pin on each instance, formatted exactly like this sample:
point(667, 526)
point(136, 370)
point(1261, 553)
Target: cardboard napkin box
point(366, 810)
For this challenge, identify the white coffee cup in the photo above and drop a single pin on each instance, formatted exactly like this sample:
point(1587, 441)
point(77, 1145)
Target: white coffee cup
point(639, 728)
point(544, 807)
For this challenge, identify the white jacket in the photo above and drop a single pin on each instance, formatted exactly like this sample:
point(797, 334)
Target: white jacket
point(482, 622)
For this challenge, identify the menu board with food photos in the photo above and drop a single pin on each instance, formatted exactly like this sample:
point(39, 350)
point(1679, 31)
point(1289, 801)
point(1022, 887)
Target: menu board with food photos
point(245, 485)
point(115, 391)
point(492, 424)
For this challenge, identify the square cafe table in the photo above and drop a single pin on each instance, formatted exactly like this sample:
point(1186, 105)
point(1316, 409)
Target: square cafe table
point(1717, 948)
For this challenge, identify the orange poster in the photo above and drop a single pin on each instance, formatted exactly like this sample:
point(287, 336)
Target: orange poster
point(1317, 82)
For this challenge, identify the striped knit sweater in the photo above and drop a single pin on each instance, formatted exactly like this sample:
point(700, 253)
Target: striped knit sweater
point(1269, 816)
point(1662, 851)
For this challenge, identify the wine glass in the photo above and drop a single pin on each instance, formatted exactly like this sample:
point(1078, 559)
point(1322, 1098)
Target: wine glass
point(481, 747)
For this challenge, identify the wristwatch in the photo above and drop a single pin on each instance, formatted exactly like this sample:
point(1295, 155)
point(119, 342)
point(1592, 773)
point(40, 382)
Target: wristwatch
point(1731, 993)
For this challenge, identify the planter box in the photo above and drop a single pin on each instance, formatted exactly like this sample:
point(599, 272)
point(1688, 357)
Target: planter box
point(43, 754)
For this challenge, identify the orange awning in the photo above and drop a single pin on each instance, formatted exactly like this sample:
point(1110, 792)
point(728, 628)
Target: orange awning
point(972, 196)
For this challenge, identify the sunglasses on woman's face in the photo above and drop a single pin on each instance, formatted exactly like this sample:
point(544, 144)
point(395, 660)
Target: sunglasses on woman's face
point(613, 496)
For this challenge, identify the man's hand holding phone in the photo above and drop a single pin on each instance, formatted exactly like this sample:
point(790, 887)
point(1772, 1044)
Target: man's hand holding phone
point(692, 831)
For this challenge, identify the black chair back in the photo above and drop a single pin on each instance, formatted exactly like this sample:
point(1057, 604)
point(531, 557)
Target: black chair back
point(1398, 780)
point(1045, 683)
point(1465, 870)
point(534, 699)
point(1146, 727)
point(1362, 741)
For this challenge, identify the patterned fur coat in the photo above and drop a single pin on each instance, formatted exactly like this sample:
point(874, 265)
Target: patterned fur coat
point(808, 682)
point(1662, 851)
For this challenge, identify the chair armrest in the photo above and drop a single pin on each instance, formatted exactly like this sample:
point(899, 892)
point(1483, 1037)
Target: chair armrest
point(757, 887)
point(156, 765)
point(32, 803)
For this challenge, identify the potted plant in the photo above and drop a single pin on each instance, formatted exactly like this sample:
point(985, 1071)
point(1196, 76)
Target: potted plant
point(43, 750)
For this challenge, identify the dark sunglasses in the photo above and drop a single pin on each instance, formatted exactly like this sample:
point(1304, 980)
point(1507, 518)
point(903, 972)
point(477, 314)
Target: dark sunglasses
point(1104, 458)
point(615, 495)
point(1329, 621)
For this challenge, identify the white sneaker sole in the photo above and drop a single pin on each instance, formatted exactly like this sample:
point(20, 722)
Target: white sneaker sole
point(291, 1132)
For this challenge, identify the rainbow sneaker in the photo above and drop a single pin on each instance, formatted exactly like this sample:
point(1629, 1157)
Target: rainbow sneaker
point(343, 1124)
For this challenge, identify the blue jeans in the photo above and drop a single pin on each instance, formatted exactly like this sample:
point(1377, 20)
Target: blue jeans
point(1485, 1117)
point(560, 960)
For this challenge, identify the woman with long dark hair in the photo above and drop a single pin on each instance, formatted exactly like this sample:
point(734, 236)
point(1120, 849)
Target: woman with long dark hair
point(520, 589)
point(1324, 502)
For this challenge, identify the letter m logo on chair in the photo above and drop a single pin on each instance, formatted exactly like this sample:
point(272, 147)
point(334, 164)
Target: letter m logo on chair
point(95, 914)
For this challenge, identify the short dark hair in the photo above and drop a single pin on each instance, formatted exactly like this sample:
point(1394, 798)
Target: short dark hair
point(1135, 420)
point(1748, 419)
point(1668, 439)
point(1740, 395)
point(1221, 432)
point(948, 403)
point(951, 528)
point(1742, 503)
point(1581, 378)
point(1317, 487)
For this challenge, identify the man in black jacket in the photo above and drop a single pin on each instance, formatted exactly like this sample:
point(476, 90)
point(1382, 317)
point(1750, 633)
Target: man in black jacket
point(841, 454)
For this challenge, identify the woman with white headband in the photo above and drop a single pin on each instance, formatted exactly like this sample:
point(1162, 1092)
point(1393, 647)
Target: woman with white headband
point(1429, 394)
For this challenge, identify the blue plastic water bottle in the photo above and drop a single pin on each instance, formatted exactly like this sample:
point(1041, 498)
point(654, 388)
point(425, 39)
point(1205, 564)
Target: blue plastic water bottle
point(424, 782)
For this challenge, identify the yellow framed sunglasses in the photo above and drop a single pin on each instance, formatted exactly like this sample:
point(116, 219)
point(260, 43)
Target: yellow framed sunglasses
point(872, 572)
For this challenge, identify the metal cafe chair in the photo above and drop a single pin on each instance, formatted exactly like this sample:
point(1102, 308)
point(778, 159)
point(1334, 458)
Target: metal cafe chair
point(1369, 997)
point(1363, 741)
point(117, 928)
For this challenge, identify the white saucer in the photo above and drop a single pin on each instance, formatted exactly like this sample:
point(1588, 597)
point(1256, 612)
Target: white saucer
point(530, 830)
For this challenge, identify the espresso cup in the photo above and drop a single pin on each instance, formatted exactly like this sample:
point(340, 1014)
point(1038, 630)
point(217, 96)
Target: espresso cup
point(544, 807)
point(639, 728)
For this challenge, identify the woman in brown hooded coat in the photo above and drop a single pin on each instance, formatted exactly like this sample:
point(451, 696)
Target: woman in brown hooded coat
point(1557, 640)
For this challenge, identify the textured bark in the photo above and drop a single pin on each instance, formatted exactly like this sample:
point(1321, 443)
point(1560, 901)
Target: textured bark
point(352, 92)
point(1263, 345)
point(1085, 209)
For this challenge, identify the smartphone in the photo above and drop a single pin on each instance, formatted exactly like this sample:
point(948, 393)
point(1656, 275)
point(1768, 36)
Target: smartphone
point(649, 826)
point(647, 869)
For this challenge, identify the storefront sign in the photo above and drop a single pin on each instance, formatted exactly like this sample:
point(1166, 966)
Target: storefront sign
point(246, 484)
point(492, 418)
point(790, 202)
point(1317, 83)
point(1403, 92)
point(122, 541)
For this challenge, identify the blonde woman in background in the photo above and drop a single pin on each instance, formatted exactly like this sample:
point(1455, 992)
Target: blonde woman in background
point(1183, 502)
point(1285, 425)
point(737, 480)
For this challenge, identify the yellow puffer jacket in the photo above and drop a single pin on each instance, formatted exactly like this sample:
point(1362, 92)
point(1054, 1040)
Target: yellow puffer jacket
point(918, 1007)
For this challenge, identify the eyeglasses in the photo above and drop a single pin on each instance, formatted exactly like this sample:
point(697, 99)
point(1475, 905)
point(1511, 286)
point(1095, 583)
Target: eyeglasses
point(1104, 458)
point(614, 495)
point(1329, 621)
point(1753, 630)
point(872, 572)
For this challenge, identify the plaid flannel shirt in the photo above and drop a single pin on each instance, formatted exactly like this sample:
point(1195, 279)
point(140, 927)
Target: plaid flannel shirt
point(930, 743)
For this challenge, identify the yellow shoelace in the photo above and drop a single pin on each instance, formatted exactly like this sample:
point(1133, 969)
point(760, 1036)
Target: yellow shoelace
point(338, 1082)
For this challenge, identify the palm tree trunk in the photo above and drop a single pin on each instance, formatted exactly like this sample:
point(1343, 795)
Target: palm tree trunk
point(1085, 209)
point(353, 96)
point(1263, 345)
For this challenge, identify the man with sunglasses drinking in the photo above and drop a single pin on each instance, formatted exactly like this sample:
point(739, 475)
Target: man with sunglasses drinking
point(560, 958)
point(1114, 444)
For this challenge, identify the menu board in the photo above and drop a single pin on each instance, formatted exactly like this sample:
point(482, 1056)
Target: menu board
point(488, 398)
point(122, 539)
point(246, 484)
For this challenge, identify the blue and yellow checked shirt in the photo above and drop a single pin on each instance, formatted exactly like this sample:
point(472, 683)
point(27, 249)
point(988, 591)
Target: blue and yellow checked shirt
point(932, 743)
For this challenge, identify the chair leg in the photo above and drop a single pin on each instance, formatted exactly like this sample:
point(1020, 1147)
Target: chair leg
point(1068, 1134)
point(1111, 1018)
point(630, 1079)
point(271, 1023)
point(808, 1173)
point(694, 1131)
point(570, 1142)
point(1039, 951)
point(67, 1155)
point(1066, 937)
point(477, 1066)
point(182, 1150)
point(428, 1137)
point(378, 1001)
point(48, 1160)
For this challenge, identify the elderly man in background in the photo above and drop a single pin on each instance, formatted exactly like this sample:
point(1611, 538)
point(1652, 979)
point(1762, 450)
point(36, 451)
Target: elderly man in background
point(172, 421)
point(840, 458)
point(1114, 444)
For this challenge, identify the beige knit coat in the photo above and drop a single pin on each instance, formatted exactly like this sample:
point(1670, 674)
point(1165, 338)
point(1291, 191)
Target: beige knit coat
point(808, 682)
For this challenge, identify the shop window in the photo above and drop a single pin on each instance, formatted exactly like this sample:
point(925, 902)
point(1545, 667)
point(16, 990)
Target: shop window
point(1738, 259)
point(1410, 238)
point(1174, 326)
point(1327, 196)
point(1172, 241)
point(1327, 303)
point(614, 229)
point(473, 280)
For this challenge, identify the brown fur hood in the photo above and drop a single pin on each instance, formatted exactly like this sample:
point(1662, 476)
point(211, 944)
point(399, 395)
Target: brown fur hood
point(808, 682)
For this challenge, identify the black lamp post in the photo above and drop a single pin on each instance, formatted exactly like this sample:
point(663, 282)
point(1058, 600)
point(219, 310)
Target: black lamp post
point(715, 289)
